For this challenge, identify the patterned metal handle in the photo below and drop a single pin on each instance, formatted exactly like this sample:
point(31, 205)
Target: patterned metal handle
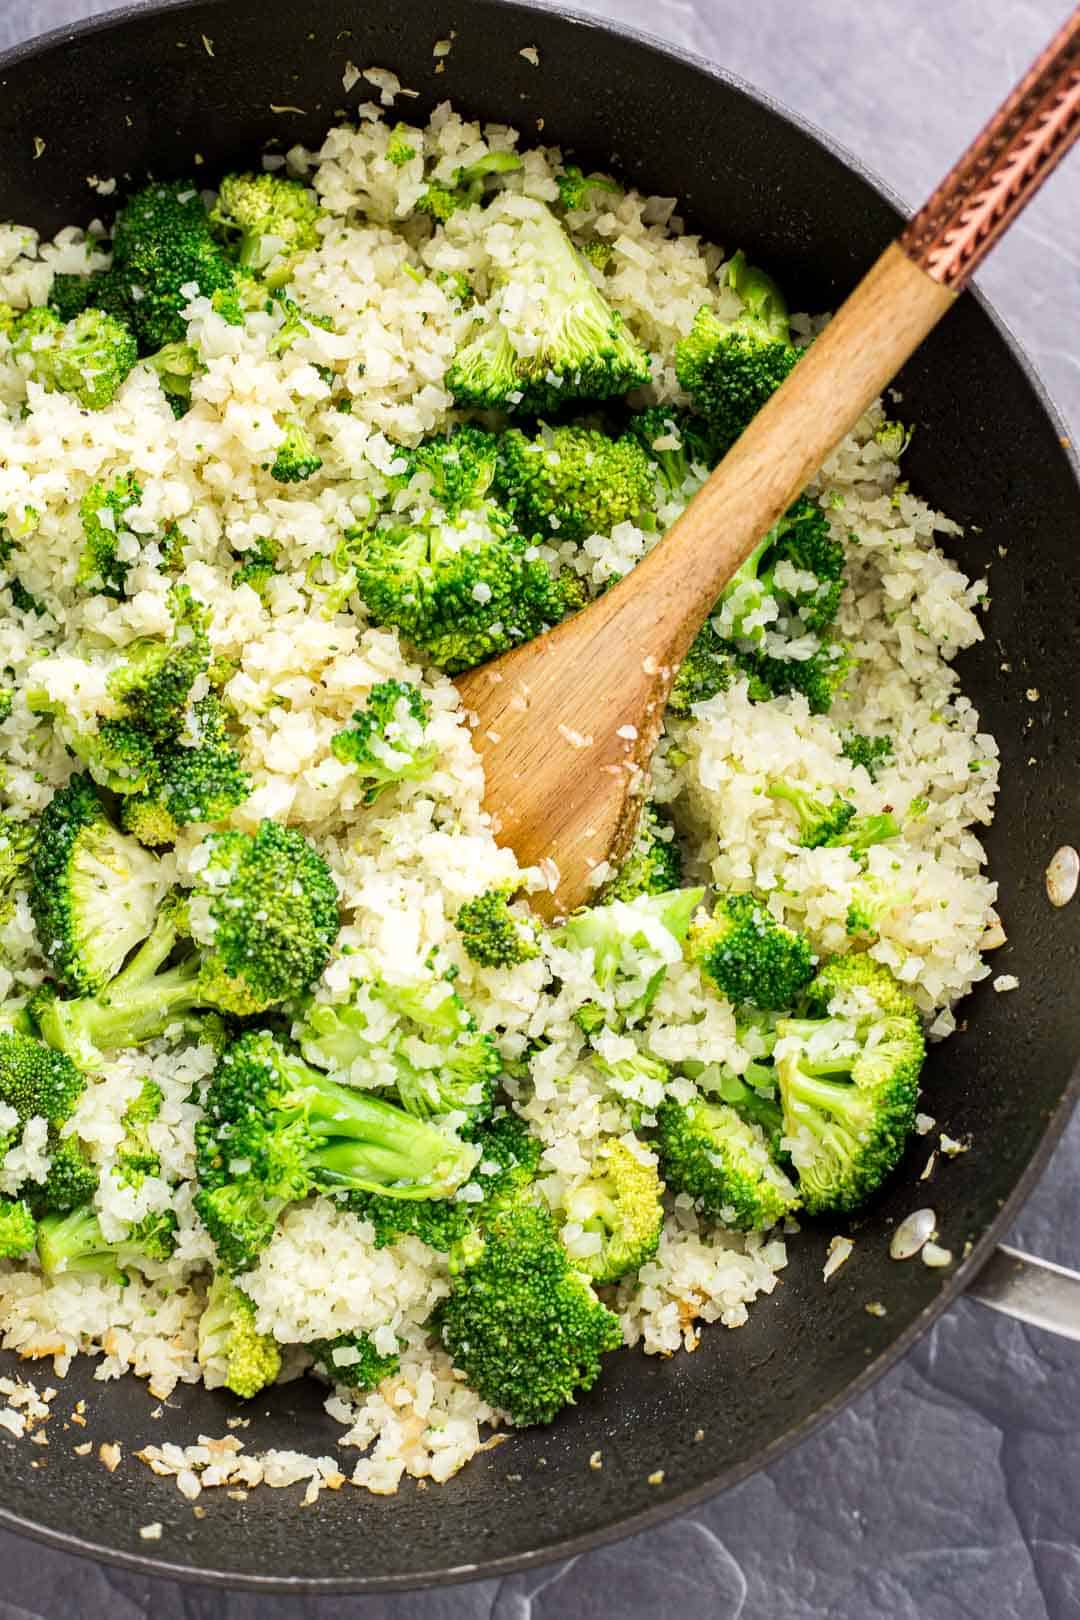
point(1003, 168)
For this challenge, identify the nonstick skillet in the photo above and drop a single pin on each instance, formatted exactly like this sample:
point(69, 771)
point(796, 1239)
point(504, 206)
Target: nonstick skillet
point(140, 93)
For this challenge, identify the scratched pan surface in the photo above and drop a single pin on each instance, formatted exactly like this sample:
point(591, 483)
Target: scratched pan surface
point(988, 449)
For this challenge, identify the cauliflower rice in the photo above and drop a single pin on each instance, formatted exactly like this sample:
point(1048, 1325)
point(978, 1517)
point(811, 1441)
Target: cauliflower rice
point(405, 865)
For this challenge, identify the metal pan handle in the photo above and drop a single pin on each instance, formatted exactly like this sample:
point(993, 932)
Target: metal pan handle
point(1031, 1290)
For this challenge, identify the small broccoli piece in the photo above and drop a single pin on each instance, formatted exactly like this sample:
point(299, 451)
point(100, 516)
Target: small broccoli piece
point(466, 187)
point(18, 1229)
point(872, 900)
point(162, 243)
point(755, 1106)
point(574, 187)
point(619, 1205)
point(353, 1361)
point(72, 1178)
point(818, 678)
point(102, 510)
point(457, 470)
point(707, 669)
point(492, 934)
point(457, 287)
point(866, 831)
point(257, 569)
point(24, 601)
point(399, 147)
point(619, 926)
point(268, 916)
point(94, 892)
point(88, 357)
point(177, 365)
point(151, 687)
point(200, 780)
point(295, 323)
point(522, 1324)
point(749, 956)
point(586, 352)
point(568, 483)
point(872, 753)
point(508, 1163)
point(70, 294)
point(265, 217)
point(730, 368)
point(461, 589)
point(75, 1243)
point(821, 821)
point(275, 1130)
point(386, 743)
point(229, 1348)
point(118, 756)
point(36, 1081)
point(680, 446)
point(654, 862)
point(16, 843)
point(893, 437)
point(296, 460)
point(135, 1157)
point(849, 1082)
point(708, 1152)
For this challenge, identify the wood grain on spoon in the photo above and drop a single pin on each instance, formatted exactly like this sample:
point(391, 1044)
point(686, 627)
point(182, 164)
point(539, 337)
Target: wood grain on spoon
point(566, 724)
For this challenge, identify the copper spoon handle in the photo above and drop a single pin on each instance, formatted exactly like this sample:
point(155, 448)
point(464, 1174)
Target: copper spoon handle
point(1003, 167)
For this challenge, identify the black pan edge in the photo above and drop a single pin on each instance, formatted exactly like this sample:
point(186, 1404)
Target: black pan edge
point(958, 1278)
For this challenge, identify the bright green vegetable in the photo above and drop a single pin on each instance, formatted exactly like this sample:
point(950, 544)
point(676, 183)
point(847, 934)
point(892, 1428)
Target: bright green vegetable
point(567, 483)
point(88, 357)
point(352, 1360)
point(619, 1203)
point(385, 744)
point(719, 1158)
point(229, 1344)
point(75, 1243)
point(493, 935)
point(749, 956)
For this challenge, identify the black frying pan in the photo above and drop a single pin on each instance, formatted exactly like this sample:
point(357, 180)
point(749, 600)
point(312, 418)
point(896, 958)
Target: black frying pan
point(139, 94)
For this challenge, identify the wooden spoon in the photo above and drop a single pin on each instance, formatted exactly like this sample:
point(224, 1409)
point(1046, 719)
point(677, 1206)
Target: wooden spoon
point(566, 724)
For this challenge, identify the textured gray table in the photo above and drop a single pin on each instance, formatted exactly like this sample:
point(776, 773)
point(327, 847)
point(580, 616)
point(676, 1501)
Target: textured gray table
point(952, 1490)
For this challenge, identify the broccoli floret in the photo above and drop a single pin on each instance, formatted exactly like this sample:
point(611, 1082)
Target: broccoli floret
point(436, 1059)
point(508, 1163)
point(258, 568)
point(586, 352)
point(708, 668)
point(619, 1205)
point(177, 365)
point(352, 1360)
point(88, 357)
point(275, 1130)
point(71, 1180)
point(712, 1154)
point(654, 863)
point(834, 822)
point(399, 147)
point(492, 934)
point(574, 187)
point(94, 892)
point(756, 1107)
point(870, 902)
point(75, 1243)
point(118, 756)
point(102, 510)
point(619, 927)
point(461, 589)
point(872, 753)
point(568, 483)
point(680, 446)
point(16, 843)
point(196, 780)
point(385, 743)
point(35, 1080)
point(24, 601)
point(457, 287)
point(162, 243)
point(135, 1157)
point(18, 1229)
point(522, 1324)
point(749, 956)
point(69, 295)
point(849, 1082)
point(730, 368)
point(296, 460)
point(230, 1349)
point(441, 198)
point(818, 678)
point(152, 686)
point(268, 917)
point(265, 217)
point(456, 470)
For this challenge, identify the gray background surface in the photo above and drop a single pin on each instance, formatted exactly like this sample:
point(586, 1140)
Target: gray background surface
point(952, 1490)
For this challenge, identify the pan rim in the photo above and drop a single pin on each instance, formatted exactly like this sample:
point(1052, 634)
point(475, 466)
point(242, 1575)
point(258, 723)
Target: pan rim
point(953, 1286)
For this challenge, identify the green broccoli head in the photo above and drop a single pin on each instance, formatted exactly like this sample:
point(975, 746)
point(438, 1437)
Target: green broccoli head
point(386, 743)
point(575, 187)
point(16, 844)
point(466, 187)
point(36, 1081)
point(264, 218)
point(821, 821)
point(275, 1129)
point(18, 1229)
point(297, 459)
point(136, 1158)
point(399, 146)
point(749, 956)
point(654, 863)
point(568, 483)
point(524, 1326)
point(619, 1212)
point(584, 351)
point(352, 1360)
point(730, 368)
point(708, 668)
point(849, 1081)
point(162, 248)
point(708, 1151)
point(177, 365)
point(94, 892)
point(872, 753)
point(151, 688)
point(680, 446)
point(103, 509)
point(199, 778)
point(242, 1359)
point(74, 1243)
point(493, 935)
point(88, 356)
point(456, 470)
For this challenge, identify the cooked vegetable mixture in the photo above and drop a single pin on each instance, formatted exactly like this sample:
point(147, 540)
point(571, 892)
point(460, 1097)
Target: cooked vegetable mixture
point(291, 1078)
